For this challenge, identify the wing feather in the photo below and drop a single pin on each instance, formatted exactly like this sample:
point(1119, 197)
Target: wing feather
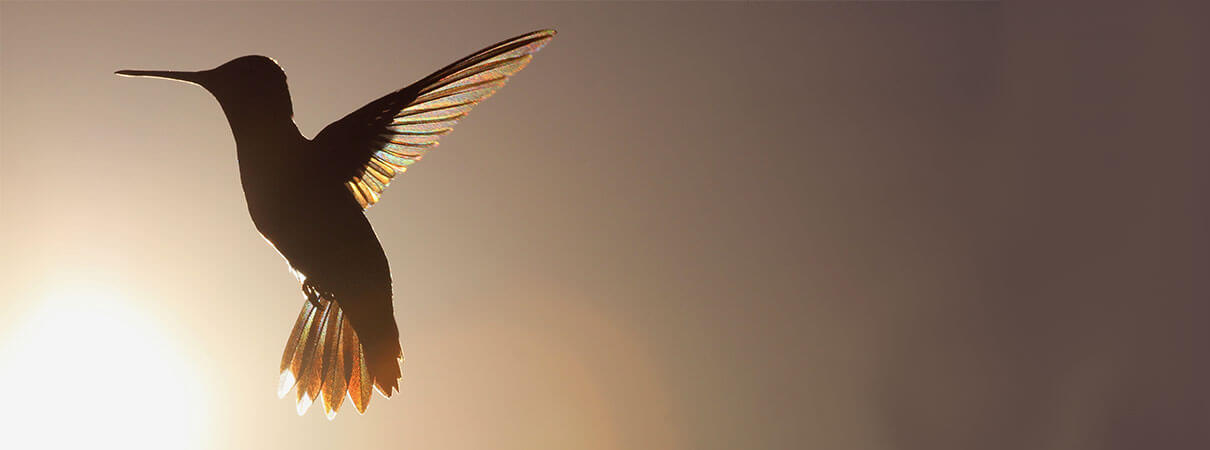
point(378, 142)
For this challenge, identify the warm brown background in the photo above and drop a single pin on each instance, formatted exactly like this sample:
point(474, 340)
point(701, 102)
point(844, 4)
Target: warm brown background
point(684, 226)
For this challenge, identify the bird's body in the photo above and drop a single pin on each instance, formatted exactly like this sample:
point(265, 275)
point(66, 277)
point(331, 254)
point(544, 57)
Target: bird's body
point(307, 199)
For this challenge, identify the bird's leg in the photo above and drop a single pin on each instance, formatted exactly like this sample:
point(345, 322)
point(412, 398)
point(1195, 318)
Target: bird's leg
point(311, 292)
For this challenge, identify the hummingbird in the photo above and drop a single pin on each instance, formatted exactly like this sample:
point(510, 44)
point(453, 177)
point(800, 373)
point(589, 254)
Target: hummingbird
point(308, 197)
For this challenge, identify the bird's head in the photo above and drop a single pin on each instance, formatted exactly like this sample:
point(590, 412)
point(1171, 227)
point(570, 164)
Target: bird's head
point(251, 83)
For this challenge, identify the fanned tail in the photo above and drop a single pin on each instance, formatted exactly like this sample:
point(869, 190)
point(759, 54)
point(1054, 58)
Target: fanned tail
point(325, 360)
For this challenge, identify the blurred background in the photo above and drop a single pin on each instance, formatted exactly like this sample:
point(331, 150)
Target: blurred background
point(683, 226)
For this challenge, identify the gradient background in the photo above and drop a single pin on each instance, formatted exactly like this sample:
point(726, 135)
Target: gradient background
point(684, 226)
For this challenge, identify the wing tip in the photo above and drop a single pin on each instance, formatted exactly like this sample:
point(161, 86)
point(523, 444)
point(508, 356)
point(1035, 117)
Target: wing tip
point(541, 37)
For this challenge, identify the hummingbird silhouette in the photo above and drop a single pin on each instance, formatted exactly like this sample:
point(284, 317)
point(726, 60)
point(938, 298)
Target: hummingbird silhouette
point(307, 199)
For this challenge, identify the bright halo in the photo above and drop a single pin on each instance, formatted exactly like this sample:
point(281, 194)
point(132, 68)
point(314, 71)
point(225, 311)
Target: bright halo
point(85, 370)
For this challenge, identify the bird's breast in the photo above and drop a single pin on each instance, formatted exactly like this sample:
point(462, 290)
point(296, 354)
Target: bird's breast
point(294, 202)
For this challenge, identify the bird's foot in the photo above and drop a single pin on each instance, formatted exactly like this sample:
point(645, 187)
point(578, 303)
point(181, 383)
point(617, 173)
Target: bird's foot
point(312, 293)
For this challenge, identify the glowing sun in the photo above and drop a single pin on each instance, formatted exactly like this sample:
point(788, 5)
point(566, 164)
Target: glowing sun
point(85, 370)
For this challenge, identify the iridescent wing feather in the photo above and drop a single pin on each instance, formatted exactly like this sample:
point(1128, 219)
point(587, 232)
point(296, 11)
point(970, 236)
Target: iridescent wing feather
point(382, 139)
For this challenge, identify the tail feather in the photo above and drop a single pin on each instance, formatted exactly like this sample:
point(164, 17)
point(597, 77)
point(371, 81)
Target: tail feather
point(290, 360)
point(297, 333)
point(325, 360)
point(360, 381)
point(385, 368)
point(334, 382)
point(309, 381)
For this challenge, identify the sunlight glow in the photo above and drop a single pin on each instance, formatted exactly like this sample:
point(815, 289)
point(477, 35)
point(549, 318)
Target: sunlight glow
point(86, 370)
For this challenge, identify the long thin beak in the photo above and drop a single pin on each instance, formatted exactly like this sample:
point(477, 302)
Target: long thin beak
point(188, 77)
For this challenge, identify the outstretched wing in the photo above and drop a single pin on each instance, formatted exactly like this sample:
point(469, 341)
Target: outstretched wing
point(379, 141)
